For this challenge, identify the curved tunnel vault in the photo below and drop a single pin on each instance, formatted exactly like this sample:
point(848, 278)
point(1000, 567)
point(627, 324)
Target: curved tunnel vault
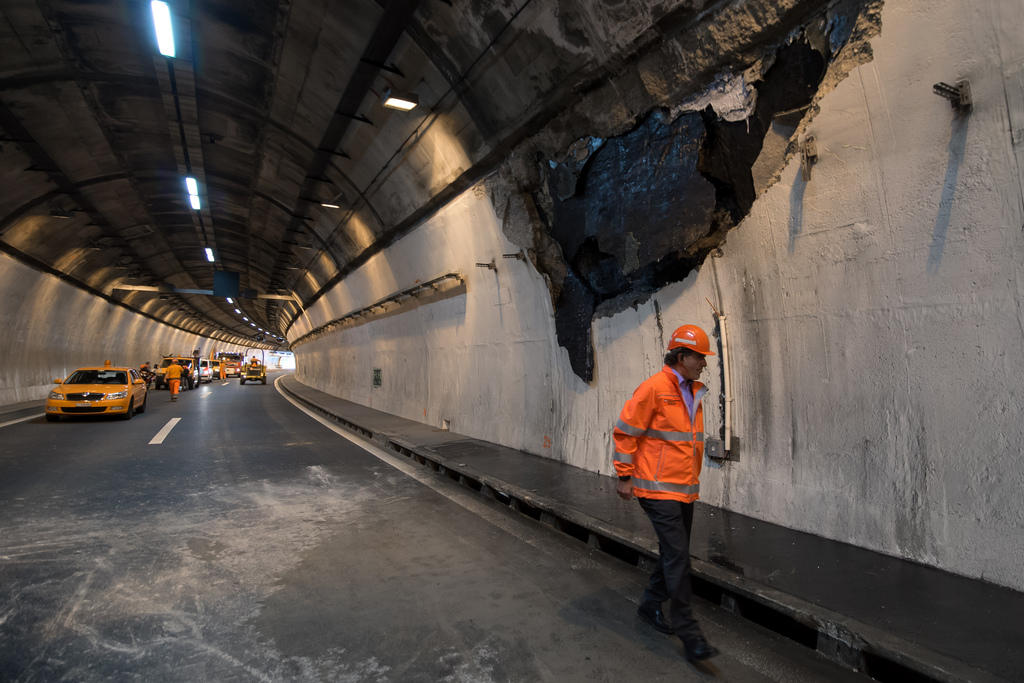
point(596, 155)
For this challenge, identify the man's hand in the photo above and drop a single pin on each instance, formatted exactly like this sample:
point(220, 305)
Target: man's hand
point(624, 489)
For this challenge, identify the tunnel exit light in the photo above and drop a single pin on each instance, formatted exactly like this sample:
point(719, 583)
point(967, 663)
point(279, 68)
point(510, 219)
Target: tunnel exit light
point(164, 29)
point(209, 255)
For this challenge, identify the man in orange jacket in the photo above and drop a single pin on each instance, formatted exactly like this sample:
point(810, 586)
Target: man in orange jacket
point(173, 376)
point(659, 448)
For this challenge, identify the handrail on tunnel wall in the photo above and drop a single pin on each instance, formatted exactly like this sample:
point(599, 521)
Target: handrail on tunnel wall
point(443, 284)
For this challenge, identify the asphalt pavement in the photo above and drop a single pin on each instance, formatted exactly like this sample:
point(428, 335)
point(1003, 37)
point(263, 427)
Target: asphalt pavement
point(253, 542)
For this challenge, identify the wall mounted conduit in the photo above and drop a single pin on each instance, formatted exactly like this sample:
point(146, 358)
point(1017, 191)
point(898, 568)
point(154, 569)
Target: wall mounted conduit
point(443, 287)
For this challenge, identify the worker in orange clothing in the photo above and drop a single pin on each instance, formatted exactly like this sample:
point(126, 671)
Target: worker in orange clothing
point(173, 376)
point(659, 448)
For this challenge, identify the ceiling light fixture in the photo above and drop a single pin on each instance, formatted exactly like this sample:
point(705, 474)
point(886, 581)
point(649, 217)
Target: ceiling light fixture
point(328, 205)
point(238, 311)
point(209, 255)
point(400, 101)
point(230, 301)
point(164, 29)
point(193, 191)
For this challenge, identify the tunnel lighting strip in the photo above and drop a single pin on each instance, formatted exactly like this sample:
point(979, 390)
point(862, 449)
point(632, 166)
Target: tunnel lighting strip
point(395, 298)
point(193, 192)
point(164, 28)
point(209, 255)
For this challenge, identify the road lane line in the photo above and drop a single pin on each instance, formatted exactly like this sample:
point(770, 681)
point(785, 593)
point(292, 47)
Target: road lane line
point(225, 384)
point(164, 431)
point(21, 419)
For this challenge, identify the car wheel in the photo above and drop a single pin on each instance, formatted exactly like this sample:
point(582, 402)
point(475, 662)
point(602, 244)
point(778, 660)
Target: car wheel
point(142, 408)
point(131, 410)
point(241, 381)
point(52, 418)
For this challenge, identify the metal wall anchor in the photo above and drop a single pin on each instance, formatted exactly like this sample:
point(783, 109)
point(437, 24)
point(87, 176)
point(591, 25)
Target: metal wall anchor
point(959, 95)
point(490, 265)
point(808, 155)
point(519, 255)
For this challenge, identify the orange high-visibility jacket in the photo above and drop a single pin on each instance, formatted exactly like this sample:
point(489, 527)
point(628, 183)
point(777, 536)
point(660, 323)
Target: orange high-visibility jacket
point(657, 443)
point(173, 371)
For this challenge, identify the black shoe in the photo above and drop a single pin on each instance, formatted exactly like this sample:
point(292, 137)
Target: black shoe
point(698, 650)
point(652, 614)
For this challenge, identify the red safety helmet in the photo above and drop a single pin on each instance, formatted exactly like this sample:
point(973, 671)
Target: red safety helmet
point(691, 337)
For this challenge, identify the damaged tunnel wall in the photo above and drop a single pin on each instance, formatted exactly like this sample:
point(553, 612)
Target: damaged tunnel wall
point(645, 208)
point(874, 316)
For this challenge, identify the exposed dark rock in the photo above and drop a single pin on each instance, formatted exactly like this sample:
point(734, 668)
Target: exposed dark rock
point(643, 209)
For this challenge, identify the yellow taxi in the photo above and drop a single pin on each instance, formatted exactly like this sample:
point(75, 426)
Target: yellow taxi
point(105, 390)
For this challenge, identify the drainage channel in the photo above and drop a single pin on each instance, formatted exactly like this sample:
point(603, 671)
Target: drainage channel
point(831, 640)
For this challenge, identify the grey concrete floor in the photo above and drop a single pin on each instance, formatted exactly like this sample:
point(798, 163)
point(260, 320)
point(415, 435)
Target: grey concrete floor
point(257, 544)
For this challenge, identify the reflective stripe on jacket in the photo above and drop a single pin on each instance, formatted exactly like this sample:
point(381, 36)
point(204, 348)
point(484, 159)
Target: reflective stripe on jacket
point(656, 442)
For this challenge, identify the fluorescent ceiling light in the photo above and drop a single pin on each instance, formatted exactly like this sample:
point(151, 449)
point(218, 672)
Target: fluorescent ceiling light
point(253, 324)
point(403, 102)
point(245, 319)
point(209, 255)
point(194, 201)
point(164, 29)
point(238, 311)
point(192, 185)
point(230, 301)
point(329, 205)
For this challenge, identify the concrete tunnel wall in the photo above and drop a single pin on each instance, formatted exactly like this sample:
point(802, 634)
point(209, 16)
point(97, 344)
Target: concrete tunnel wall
point(53, 328)
point(874, 316)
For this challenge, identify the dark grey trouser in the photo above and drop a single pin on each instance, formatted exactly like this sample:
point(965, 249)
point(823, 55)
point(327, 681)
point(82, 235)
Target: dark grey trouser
point(672, 520)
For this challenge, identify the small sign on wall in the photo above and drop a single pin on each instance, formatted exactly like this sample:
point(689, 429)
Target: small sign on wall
point(376, 378)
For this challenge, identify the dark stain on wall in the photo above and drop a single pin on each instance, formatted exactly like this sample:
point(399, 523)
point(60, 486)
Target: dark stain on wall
point(639, 211)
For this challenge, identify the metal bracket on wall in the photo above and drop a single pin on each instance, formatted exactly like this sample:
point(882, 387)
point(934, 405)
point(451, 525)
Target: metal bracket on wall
point(959, 95)
point(489, 266)
point(808, 156)
point(519, 255)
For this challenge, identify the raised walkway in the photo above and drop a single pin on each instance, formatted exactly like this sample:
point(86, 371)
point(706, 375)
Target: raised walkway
point(892, 619)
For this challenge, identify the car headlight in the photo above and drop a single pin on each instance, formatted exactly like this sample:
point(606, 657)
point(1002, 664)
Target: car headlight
point(117, 394)
point(56, 395)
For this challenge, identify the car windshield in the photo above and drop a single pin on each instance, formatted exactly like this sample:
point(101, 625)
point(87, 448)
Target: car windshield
point(166, 362)
point(98, 377)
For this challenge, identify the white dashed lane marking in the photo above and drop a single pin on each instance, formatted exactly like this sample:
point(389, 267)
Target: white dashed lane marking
point(164, 431)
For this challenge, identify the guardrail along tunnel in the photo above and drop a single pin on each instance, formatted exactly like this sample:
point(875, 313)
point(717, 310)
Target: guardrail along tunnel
point(458, 236)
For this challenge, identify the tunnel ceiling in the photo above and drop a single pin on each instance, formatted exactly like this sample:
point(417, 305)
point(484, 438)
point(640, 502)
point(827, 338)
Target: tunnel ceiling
point(276, 109)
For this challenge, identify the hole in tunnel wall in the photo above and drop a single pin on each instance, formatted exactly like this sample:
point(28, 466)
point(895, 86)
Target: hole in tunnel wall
point(639, 211)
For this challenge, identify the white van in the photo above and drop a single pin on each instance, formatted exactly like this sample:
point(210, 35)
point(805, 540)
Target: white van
point(205, 370)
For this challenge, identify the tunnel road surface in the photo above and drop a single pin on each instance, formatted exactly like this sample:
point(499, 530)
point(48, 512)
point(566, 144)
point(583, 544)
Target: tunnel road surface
point(253, 543)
